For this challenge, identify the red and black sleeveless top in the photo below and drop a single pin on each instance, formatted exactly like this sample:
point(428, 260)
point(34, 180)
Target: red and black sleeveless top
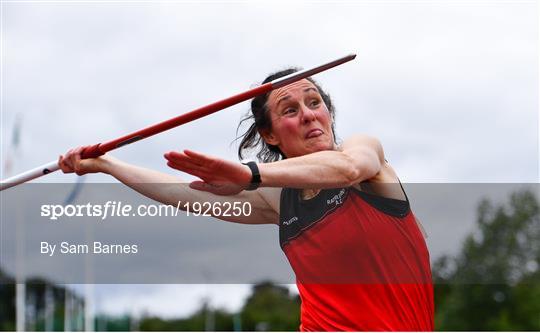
point(360, 260)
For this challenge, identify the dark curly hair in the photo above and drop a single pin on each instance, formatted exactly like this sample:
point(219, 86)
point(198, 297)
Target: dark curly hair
point(251, 139)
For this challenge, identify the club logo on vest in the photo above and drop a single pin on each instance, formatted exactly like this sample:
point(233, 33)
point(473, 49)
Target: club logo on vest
point(291, 220)
point(336, 199)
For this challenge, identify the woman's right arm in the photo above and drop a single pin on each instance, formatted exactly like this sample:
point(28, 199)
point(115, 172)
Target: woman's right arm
point(170, 190)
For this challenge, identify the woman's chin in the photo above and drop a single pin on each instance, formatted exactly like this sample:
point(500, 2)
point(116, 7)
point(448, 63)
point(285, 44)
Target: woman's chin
point(321, 146)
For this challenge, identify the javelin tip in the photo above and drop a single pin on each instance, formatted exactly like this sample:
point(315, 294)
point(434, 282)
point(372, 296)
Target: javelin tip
point(283, 81)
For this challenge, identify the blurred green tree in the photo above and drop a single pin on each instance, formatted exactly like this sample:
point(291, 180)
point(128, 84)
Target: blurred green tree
point(271, 308)
point(494, 282)
point(217, 319)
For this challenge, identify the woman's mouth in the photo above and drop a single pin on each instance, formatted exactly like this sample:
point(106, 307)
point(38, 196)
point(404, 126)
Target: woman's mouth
point(314, 133)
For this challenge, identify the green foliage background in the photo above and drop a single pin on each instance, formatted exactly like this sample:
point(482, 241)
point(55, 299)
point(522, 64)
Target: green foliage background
point(494, 283)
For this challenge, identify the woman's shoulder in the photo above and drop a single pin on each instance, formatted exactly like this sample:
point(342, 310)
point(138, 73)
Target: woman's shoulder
point(361, 139)
point(385, 183)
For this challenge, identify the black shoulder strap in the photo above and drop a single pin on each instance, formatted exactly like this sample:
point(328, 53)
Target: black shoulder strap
point(401, 185)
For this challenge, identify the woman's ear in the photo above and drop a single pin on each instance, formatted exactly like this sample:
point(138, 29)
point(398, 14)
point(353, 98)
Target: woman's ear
point(269, 137)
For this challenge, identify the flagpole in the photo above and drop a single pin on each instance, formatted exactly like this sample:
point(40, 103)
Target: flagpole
point(20, 286)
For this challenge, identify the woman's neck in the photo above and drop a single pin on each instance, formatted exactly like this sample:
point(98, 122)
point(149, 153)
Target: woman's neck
point(309, 193)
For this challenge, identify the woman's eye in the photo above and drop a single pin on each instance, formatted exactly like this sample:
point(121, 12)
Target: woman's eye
point(289, 111)
point(315, 102)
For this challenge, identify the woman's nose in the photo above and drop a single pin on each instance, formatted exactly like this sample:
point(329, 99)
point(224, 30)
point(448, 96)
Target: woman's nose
point(308, 114)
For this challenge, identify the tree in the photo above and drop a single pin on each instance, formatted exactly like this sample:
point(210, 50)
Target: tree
point(223, 321)
point(271, 308)
point(494, 283)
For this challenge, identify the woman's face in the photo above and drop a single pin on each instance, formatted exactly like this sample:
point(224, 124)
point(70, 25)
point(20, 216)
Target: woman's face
point(301, 122)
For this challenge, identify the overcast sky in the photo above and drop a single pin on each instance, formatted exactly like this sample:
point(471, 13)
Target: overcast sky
point(449, 87)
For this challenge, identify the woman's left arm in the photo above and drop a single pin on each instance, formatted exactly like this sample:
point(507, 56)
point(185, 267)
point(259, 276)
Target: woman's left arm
point(359, 158)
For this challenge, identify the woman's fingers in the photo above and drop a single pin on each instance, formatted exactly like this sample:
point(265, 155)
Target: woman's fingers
point(66, 158)
point(178, 157)
point(77, 161)
point(210, 162)
point(218, 176)
point(195, 172)
point(182, 159)
point(198, 156)
point(63, 166)
point(71, 162)
point(181, 156)
point(212, 172)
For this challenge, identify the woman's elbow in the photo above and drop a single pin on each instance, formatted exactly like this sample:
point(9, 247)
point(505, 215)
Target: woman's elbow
point(361, 170)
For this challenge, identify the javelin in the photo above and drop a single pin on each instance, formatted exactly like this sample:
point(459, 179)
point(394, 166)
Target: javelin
point(102, 148)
